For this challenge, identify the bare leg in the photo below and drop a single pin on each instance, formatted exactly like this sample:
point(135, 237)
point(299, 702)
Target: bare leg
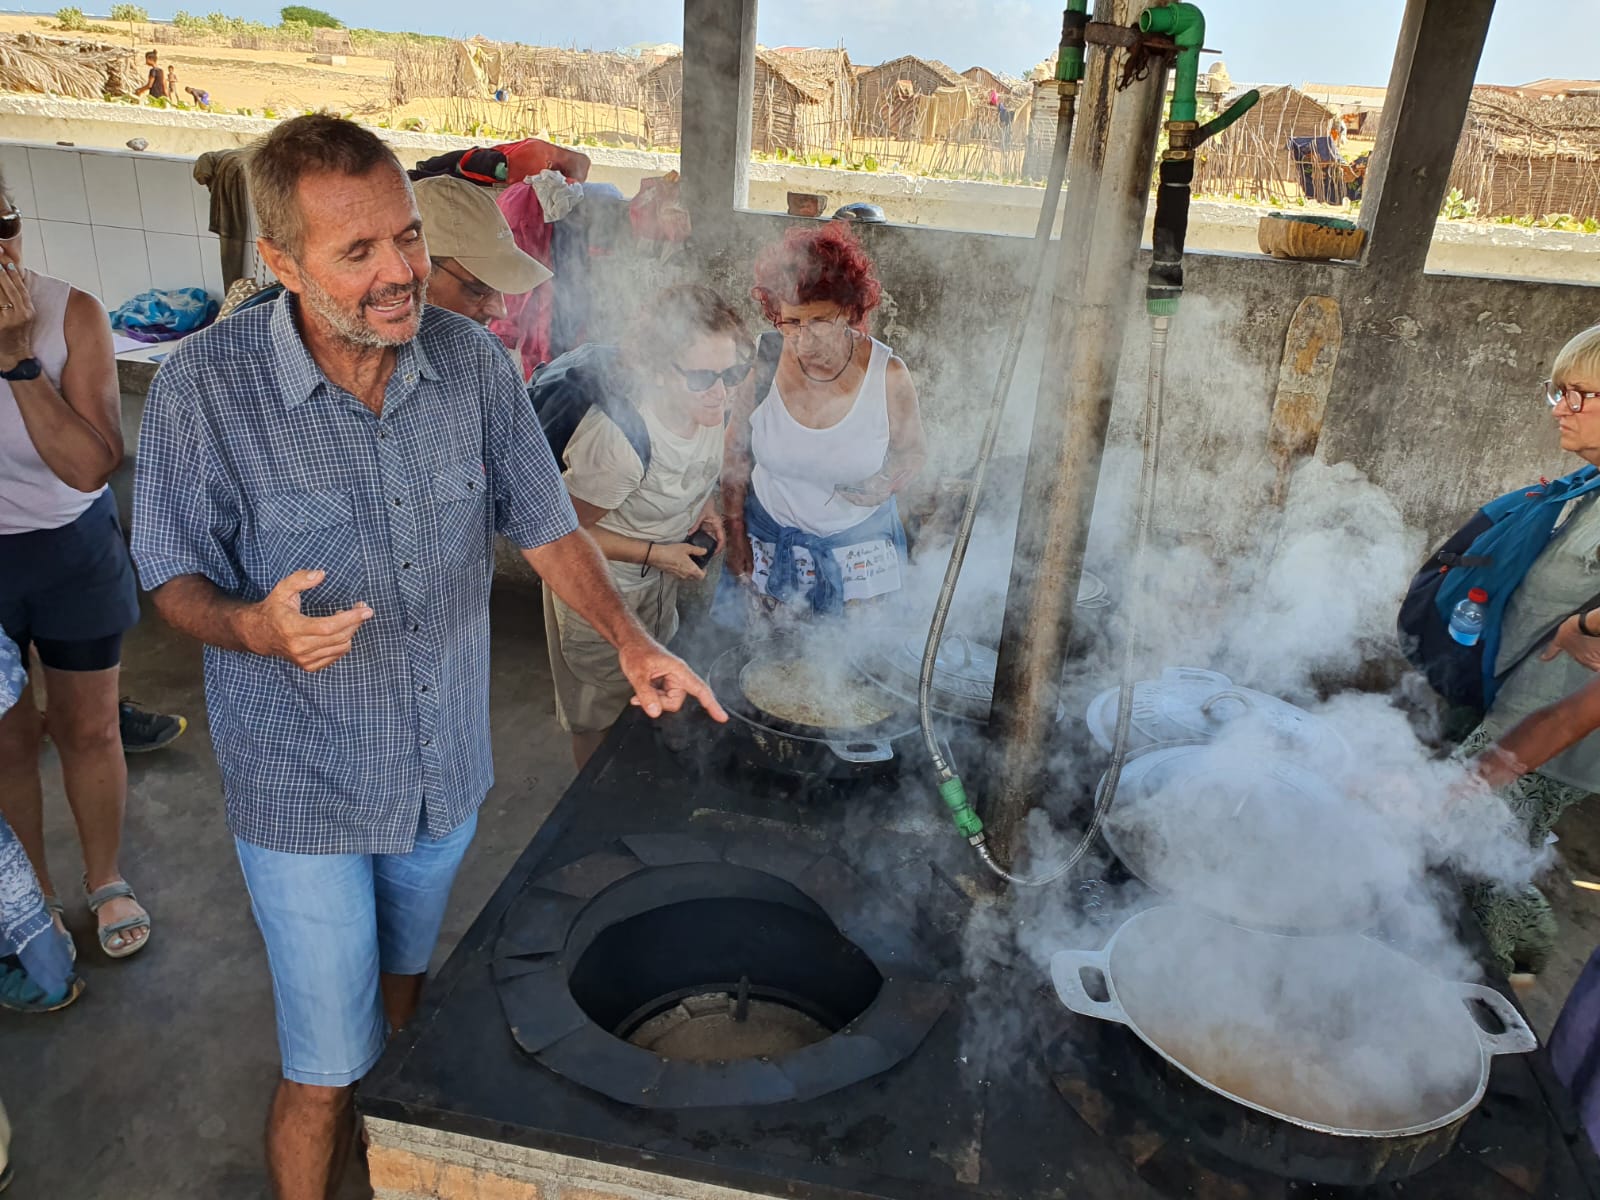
point(585, 744)
point(21, 796)
point(309, 1134)
point(83, 725)
point(401, 995)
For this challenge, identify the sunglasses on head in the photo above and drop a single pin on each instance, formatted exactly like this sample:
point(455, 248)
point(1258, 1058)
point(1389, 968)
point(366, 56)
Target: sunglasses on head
point(701, 381)
point(10, 224)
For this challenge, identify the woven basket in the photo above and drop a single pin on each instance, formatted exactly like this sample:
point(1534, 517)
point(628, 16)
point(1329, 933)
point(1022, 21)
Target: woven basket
point(1318, 238)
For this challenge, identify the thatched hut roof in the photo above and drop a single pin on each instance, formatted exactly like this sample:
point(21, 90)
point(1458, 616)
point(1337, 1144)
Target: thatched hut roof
point(908, 66)
point(82, 70)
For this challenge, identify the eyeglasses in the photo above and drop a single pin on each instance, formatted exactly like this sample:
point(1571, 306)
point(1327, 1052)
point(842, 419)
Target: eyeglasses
point(701, 381)
point(1555, 392)
point(792, 328)
point(10, 224)
point(477, 292)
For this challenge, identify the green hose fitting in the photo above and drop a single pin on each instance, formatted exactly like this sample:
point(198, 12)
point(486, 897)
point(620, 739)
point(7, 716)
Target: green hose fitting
point(1162, 308)
point(1185, 24)
point(1069, 55)
point(955, 799)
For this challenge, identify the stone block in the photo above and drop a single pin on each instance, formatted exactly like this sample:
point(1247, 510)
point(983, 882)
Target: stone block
point(401, 1175)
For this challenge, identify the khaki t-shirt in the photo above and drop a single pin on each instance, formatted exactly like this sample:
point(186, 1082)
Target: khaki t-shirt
point(1562, 579)
point(662, 504)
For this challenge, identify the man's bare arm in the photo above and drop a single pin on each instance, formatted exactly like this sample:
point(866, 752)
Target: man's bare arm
point(273, 627)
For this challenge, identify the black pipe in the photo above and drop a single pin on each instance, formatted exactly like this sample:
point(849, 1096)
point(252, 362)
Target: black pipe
point(1171, 230)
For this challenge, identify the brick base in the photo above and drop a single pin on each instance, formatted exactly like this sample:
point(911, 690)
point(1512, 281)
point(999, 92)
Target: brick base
point(409, 1162)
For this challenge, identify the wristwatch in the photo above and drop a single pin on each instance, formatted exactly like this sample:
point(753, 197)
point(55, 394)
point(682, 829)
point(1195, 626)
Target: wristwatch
point(28, 368)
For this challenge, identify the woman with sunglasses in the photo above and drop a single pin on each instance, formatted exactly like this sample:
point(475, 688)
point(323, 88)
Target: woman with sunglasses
point(66, 583)
point(814, 461)
point(687, 353)
point(1541, 713)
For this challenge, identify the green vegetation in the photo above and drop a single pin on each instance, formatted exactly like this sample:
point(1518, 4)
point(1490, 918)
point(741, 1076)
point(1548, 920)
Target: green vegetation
point(1458, 207)
point(131, 13)
point(299, 14)
point(70, 18)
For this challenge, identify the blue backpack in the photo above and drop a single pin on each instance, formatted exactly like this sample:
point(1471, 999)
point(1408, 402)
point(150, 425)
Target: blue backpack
point(1493, 551)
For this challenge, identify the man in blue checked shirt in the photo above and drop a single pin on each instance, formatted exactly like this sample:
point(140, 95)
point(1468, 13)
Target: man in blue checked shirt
point(320, 480)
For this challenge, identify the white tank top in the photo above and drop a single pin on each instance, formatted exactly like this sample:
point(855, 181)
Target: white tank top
point(797, 469)
point(32, 496)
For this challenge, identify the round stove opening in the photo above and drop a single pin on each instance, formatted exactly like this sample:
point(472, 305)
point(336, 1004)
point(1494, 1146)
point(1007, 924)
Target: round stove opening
point(724, 978)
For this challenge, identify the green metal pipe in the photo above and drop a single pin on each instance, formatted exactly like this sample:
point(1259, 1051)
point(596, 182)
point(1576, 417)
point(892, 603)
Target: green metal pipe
point(1186, 26)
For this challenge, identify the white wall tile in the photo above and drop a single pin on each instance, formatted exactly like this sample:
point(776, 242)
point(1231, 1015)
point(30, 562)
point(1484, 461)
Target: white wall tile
point(201, 199)
point(69, 251)
point(174, 260)
point(211, 266)
point(109, 182)
point(164, 196)
point(58, 189)
point(124, 264)
point(19, 177)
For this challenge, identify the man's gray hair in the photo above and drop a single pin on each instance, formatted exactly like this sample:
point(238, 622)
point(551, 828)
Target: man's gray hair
point(313, 144)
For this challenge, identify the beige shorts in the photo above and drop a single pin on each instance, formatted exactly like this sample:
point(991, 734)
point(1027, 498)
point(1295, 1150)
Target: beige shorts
point(591, 690)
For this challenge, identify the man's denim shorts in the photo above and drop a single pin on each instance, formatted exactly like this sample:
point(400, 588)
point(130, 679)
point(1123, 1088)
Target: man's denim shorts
point(332, 924)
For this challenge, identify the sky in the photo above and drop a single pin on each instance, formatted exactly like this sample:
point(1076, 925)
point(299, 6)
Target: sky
point(1262, 41)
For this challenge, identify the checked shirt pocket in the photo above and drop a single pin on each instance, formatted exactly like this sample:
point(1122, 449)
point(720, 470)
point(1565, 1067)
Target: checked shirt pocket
point(460, 502)
point(315, 531)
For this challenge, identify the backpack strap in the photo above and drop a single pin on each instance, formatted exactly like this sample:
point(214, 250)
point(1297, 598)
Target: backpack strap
point(769, 349)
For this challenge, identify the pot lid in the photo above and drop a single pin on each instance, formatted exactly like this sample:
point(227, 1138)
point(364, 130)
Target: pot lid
point(1188, 703)
point(1254, 837)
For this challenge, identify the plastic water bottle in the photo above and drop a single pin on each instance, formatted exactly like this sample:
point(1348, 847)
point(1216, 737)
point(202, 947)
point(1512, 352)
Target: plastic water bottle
point(1466, 618)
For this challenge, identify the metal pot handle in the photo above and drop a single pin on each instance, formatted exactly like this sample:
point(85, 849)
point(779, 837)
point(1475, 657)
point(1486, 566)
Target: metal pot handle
point(866, 750)
point(1227, 694)
point(1066, 971)
point(1517, 1037)
point(964, 642)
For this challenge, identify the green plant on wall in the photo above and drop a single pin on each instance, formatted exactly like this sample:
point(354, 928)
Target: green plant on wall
point(1458, 206)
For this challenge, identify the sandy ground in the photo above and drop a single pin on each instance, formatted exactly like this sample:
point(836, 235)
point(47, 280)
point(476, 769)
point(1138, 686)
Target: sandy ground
point(286, 82)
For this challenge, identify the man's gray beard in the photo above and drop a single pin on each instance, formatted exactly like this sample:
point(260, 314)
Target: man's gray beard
point(348, 327)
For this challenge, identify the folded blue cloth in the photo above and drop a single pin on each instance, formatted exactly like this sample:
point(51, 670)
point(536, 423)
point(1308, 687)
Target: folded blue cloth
point(160, 316)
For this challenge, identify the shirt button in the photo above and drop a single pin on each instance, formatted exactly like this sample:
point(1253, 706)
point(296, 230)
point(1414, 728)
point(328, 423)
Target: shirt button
point(397, 501)
point(411, 377)
point(427, 741)
point(424, 687)
point(406, 566)
point(414, 628)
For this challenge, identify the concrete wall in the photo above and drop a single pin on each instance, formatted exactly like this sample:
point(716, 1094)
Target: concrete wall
point(1435, 397)
point(912, 200)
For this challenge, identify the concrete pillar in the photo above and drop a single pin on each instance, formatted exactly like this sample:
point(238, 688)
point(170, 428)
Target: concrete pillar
point(1108, 189)
point(1435, 64)
point(719, 77)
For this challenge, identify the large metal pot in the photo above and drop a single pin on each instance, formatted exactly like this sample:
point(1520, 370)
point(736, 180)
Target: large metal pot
point(767, 741)
point(1188, 703)
point(1257, 839)
point(1346, 1062)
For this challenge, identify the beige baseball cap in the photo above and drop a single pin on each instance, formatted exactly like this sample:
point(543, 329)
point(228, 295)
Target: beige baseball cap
point(460, 220)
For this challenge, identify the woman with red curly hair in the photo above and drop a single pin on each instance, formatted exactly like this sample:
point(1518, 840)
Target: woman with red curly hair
point(815, 457)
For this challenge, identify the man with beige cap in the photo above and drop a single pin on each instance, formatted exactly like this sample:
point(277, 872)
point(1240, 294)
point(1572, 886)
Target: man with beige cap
point(476, 262)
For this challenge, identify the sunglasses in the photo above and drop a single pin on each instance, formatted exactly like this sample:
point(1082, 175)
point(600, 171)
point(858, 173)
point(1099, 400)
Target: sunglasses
point(10, 224)
point(701, 381)
point(1555, 393)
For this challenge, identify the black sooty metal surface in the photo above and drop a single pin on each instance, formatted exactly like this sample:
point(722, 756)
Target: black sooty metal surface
point(960, 1089)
